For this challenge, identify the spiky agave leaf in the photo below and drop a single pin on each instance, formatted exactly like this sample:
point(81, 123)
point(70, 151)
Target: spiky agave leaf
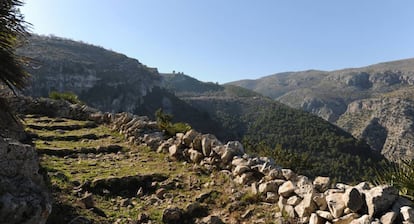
point(400, 175)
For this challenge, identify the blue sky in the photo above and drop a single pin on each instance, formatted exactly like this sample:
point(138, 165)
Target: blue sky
point(226, 40)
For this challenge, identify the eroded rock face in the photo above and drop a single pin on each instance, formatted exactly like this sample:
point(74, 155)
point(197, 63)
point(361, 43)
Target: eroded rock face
point(24, 197)
point(386, 124)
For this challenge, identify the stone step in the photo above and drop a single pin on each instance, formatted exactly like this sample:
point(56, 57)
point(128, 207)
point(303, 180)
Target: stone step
point(69, 137)
point(62, 127)
point(126, 186)
point(65, 152)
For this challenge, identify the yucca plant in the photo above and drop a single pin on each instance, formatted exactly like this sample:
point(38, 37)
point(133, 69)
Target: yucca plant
point(400, 175)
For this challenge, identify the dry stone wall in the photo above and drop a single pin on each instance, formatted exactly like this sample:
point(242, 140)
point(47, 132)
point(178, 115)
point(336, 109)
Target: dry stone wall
point(298, 197)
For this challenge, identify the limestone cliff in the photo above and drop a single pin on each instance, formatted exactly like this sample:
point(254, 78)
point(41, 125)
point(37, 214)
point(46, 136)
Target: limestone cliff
point(104, 79)
point(386, 123)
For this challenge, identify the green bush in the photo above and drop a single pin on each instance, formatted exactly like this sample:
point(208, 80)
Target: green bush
point(68, 96)
point(400, 175)
point(164, 122)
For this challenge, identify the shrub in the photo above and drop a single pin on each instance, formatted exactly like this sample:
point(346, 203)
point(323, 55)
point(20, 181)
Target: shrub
point(68, 96)
point(165, 123)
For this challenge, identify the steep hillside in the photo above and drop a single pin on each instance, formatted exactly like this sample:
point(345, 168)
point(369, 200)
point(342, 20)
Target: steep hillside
point(121, 168)
point(331, 95)
point(263, 125)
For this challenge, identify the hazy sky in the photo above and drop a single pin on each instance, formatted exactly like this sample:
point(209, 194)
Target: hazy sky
point(226, 40)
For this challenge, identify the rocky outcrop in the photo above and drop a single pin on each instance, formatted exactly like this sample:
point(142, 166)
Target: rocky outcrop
point(102, 78)
point(386, 124)
point(24, 197)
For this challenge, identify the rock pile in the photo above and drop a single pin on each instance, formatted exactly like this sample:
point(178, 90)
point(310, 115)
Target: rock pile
point(297, 197)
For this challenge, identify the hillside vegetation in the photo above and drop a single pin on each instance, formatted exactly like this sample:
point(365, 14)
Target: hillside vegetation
point(296, 139)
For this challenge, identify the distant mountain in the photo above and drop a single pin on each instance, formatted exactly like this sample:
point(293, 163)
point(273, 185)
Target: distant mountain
point(373, 102)
point(113, 82)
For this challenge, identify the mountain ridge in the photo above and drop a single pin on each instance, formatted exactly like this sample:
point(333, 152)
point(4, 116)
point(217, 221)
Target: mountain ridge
point(332, 95)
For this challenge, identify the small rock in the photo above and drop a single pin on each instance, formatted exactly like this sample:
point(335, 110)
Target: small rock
point(195, 156)
point(160, 193)
point(274, 174)
point(379, 199)
point(336, 204)
point(286, 189)
point(175, 152)
point(125, 202)
point(271, 197)
point(189, 137)
point(294, 200)
point(353, 199)
point(290, 211)
point(388, 218)
point(87, 201)
point(320, 201)
point(321, 183)
point(254, 188)
point(268, 187)
point(282, 203)
point(288, 174)
point(247, 214)
point(195, 209)
point(237, 147)
point(306, 207)
point(142, 218)
point(164, 147)
point(303, 186)
point(140, 192)
point(240, 170)
point(206, 146)
point(315, 219)
point(173, 216)
point(408, 214)
point(325, 214)
point(212, 220)
point(247, 178)
point(197, 143)
point(346, 219)
point(362, 220)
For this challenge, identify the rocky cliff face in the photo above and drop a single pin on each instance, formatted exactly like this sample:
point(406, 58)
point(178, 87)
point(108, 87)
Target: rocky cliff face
point(102, 78)
point(372, 102)
point(386, 123)
point(24, 196)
